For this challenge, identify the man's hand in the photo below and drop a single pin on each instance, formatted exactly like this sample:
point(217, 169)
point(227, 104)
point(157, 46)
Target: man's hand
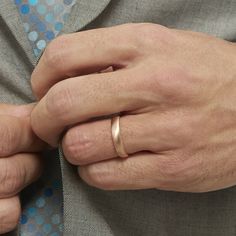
point(175, 90)
point(19, 166)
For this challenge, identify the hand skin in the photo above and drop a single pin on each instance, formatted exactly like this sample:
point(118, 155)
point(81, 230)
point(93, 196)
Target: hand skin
point(175, 90)
point(20, 164)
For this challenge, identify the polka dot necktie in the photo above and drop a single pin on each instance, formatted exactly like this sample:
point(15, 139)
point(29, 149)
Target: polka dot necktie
point(42, 202)
point(43, 20)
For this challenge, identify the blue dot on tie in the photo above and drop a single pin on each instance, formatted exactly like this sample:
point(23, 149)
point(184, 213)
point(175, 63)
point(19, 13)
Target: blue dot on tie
point(33, 2)
point(41, 9)
point(25, 9)
point(49, 35)
point(47, 228)
point(56, 219)
point(58, 26)
point(33, 35)
point(49, 18)
point(23, 219)
point(41, 44)
point(36, 52)
point(26, 27)
point(56, 184)
point(17, 2)
point(48, 192)
point(40, 202)
point(32, 211)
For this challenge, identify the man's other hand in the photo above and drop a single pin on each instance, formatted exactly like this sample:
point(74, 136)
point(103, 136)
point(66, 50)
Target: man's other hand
point(20, 164)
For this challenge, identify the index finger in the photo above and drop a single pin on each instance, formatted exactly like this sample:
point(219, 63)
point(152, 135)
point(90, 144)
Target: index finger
point(78, 100)
point(80, 54)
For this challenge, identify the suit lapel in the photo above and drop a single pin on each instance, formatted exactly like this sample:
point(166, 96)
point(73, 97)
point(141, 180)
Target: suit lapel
point(83, 13)
point(11, 17)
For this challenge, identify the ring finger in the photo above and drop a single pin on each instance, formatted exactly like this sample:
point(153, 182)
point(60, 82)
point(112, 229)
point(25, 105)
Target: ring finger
point(92, 142)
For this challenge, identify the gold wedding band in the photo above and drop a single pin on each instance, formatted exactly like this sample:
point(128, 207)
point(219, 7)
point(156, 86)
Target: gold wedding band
point(116, 137)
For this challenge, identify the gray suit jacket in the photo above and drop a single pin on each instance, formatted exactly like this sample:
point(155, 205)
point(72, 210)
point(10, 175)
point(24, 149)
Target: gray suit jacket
point(92, 212)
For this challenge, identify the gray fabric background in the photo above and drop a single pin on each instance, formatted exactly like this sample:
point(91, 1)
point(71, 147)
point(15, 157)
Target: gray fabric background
point(92, 212)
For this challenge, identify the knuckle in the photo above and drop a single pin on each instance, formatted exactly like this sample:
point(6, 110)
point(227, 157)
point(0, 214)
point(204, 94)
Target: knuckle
point(148, 27)
point(55, 52)
point(151, 34)
point(181, 129)
point(77, 146)
point(9, 215)
point(177, 174)
point(170, 169)
point(12, 178)
point(172, 85)
point(9, 137)
point(58, 102)
point(97, 177)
